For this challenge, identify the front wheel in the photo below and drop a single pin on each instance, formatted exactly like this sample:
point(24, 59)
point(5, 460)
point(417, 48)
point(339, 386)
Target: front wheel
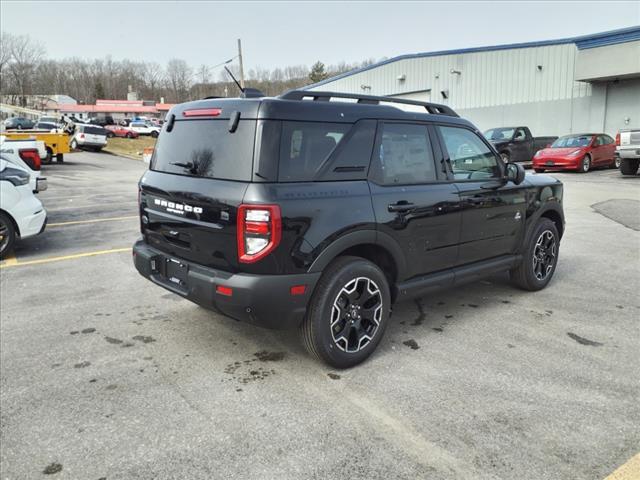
point(154, 134)
point(129, 135)
point(505, 156)
point(348, 312)
point(74, 145)
point(540, 258)
point(585, 165)
point(111, 135)
point(7, 235)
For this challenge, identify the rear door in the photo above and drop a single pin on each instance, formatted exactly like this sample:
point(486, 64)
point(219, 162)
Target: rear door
point(198, 176)
point(493, 212)
point(413, 202)
point(521, 146)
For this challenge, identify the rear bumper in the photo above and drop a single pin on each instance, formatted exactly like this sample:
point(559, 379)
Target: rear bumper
point(263, 300)
point(629, 152)
point(33, 224)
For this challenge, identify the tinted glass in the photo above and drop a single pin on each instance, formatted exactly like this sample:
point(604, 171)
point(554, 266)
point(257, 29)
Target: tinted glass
point(403, 156)
point(499, 134)
point(206, 148)
point(470, 157)
point(304, 146)
point(94, 130)
point(572, 141)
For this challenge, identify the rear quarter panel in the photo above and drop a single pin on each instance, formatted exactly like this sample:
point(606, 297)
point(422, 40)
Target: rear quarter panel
point(314, 215)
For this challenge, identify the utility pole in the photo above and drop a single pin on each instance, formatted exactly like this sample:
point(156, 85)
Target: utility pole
point(240, 61)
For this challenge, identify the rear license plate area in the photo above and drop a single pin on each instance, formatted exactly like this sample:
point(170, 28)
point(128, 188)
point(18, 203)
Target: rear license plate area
point(549, 162)
point(175, 272)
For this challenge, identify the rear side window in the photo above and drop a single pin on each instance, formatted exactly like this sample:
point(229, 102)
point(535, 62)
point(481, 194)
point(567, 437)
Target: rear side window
point(304, 147)
point(403, 155)
point(206, 148)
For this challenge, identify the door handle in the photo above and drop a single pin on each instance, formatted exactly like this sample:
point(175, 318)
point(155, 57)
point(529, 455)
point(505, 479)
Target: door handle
point(401, 206)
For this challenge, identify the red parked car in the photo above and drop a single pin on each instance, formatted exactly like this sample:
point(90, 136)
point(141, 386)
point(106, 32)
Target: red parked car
point(580, 152)
point(120, 131)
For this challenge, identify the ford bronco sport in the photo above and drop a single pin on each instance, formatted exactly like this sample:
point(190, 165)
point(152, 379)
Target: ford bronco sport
point(319, 210)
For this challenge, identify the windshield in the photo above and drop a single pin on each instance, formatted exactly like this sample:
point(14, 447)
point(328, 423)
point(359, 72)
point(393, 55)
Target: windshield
point(206, 148)
point(499, 134)
point(572, 141)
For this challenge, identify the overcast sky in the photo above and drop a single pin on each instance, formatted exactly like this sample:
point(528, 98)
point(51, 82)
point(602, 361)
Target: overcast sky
point(277, 34)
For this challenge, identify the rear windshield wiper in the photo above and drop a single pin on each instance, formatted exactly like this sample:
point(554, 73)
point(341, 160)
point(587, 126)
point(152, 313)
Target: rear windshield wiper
point(187, 166)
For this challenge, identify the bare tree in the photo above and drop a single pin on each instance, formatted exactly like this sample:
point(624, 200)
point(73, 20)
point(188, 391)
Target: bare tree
point(6, 48)
point(178, 78)
point(153, 75)
point(25, 57)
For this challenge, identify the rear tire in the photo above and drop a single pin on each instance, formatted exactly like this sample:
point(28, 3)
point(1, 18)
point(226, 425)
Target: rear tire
point(616, 163)
point(629, 166)
point(585, 165)
point(538, 170)
point(110, 135)
point(540, 258)
point(59, 158)
point(49, 157)
point(154, 134)
point(348, 312)
point(7, 235)
point(129, 135)
point(73, 145)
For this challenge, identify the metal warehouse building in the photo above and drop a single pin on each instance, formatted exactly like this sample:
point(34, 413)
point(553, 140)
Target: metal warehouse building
point(588, 83)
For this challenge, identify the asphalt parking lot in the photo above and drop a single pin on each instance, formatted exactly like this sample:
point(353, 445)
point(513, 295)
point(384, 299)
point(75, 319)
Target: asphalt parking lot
point(107, 376)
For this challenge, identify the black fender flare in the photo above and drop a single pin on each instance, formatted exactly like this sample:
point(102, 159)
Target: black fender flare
point(551, 206)
point(354, 239)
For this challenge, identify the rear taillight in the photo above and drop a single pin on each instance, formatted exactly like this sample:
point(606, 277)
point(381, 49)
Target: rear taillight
point(259, 231)
point(618, 139)
point(82, 135)
point(31, 157)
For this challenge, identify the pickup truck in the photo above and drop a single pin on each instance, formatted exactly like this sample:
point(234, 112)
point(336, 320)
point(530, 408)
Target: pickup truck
point(628, 149)
point(54, 144)
point(516, 144)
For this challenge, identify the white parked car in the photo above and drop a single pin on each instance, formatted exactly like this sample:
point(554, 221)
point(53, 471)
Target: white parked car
point(144, 128)
point(25, 154)
point(21, 213)
point(89, 136)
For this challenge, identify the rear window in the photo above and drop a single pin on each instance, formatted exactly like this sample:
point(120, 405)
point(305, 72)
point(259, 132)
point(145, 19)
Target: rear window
point(94, 130)
point(206, 148)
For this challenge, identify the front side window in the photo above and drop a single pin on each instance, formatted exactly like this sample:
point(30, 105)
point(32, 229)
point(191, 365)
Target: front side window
point(403, 155)
point(469, 156)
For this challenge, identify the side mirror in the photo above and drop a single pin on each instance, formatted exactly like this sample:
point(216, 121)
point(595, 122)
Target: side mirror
point(515, 173)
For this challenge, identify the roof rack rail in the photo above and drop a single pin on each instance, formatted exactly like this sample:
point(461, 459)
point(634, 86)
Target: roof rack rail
point(433, 108)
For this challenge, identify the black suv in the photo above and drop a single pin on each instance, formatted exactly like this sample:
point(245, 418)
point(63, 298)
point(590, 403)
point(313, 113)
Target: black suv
point(319, 210)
